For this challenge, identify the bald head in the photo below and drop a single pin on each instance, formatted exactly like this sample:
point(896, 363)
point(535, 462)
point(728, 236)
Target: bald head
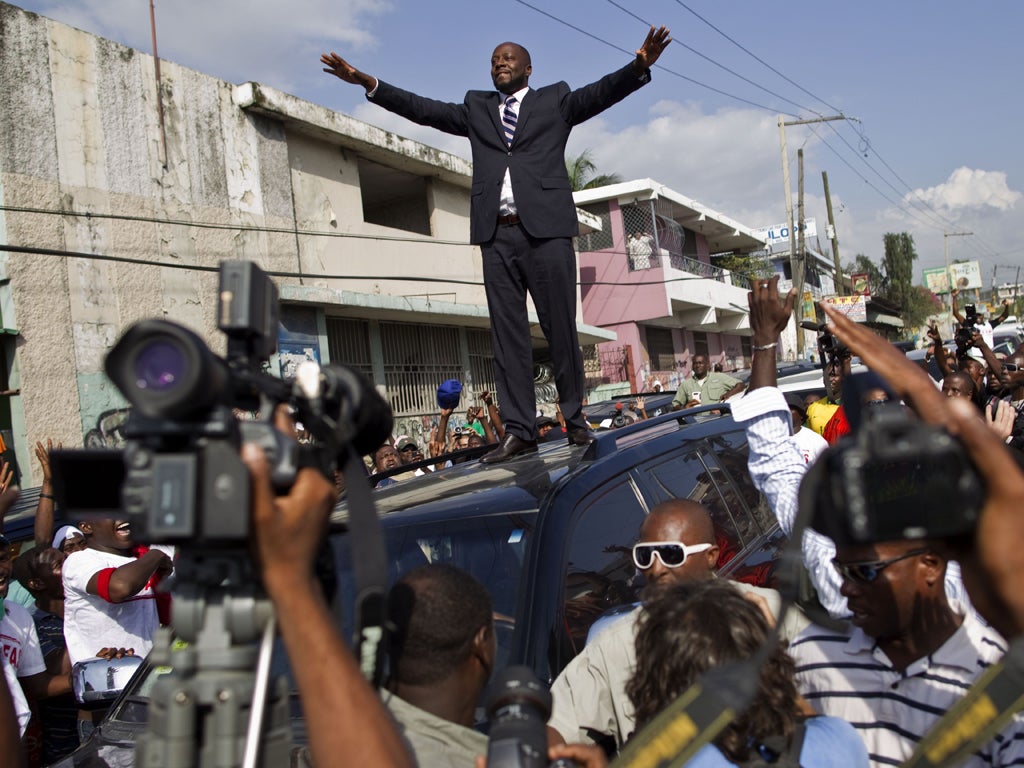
point(683, 515)
point(685, 522)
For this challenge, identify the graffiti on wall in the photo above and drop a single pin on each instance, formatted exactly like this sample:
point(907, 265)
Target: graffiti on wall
point(109, 429)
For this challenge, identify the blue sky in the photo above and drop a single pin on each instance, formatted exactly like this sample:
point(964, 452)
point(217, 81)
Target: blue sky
point(934, 85)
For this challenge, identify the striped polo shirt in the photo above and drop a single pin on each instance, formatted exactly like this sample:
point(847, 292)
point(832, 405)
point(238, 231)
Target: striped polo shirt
point(847, 675)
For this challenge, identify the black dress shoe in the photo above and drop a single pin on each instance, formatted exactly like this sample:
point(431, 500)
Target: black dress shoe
point(509, 447)
point(581, 436)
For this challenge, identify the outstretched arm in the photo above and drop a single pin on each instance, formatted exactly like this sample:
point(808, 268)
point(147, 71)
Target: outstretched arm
point(341, 69)
point(956, 310)
point(656, 42)
point(992, 568)
point(344, 716)
point(1005, 313)
point(44, 511)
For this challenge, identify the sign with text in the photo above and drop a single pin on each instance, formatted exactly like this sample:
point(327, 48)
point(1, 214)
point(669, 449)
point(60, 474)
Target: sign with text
point(854, 307)
point(778, 234)
point(965, 274)
point(936, 280)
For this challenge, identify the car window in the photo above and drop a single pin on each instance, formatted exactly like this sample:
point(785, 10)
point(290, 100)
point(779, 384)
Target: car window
point(694, 474)
point(732, 454)
point(489, 547)
point(599, 571)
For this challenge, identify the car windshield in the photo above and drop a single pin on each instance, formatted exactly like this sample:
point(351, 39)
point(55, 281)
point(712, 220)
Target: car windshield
point(491, 547)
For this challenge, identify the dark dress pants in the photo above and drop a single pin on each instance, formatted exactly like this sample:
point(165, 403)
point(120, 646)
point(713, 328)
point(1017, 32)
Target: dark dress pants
point(513, 264)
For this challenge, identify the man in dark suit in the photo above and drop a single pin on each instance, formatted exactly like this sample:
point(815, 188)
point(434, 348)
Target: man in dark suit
point(522, 214)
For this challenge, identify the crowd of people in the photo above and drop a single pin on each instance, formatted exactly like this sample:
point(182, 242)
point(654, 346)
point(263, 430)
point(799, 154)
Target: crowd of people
point(908, 624)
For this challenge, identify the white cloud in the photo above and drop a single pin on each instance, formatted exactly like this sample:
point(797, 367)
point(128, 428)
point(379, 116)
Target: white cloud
point(269, 41)
point(727, 160)
point(969, 188)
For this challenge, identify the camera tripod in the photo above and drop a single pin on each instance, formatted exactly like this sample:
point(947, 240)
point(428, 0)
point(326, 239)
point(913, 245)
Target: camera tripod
point(209, 711)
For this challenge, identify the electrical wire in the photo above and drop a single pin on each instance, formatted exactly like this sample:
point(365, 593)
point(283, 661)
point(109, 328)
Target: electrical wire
point(717, 63)
point(26, 249)
point(920, 210)
point(661, 67)
point(758, 58)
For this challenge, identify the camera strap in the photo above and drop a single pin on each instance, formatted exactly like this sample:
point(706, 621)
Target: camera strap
point(993, 700)
point(369, 566)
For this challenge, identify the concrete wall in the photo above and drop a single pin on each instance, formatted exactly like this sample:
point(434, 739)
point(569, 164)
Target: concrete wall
point(80, 134)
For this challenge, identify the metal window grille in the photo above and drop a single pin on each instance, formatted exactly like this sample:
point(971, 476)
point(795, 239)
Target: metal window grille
point(642, 237)
point(660, 349)
point(348, 342)
point(597, 241)
point(700, 343)
point(481, 367)
point(416, 359)
point(603, 366)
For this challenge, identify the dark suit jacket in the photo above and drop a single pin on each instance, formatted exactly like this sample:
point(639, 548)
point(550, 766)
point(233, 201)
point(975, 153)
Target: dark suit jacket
point(536, 159)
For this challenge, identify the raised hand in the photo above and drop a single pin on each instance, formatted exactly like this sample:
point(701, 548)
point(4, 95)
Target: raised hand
point(656, 42)
point(341, 69)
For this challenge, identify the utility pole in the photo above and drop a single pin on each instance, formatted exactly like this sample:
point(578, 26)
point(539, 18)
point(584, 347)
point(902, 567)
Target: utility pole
point(949, 277)
point(840, 286)
point(801, 228)
point(795, 264)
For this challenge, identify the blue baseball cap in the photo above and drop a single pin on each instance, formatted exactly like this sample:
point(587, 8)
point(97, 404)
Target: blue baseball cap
point(448, 394)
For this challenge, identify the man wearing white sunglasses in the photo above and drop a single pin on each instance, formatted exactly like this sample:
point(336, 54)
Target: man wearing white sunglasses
point(676, 544)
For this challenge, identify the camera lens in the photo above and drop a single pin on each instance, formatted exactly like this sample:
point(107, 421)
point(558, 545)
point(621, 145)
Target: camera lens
point(159, 366)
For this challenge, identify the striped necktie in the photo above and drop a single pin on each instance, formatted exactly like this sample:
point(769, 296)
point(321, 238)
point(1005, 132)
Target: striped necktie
point(508, 119)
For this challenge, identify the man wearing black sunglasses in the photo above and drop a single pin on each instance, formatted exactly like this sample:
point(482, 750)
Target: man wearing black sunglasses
point(676, 545)
point(914, 645)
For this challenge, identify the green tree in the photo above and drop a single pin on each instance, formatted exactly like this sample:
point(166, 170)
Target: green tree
point(920, 304)
point(753, 266)
point(862, 264)
point(583, 173)
point(898, 265)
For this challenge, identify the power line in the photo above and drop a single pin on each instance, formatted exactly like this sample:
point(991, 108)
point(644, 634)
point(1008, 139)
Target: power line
point(758, 58)
point(663, 68)
point(26, 249)
point(230, 227)
point(717, 63)
point(918, 206)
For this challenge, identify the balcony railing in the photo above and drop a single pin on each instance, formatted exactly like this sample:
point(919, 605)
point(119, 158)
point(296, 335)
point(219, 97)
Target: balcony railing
point(709, 271)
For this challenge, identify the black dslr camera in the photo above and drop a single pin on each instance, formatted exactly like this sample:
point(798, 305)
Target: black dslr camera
point(965, 331)
point(893, 478)
point(180, 477)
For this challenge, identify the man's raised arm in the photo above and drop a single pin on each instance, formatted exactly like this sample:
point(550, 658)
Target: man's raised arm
point(776, 464)
point(341, 69)
point(344, 715)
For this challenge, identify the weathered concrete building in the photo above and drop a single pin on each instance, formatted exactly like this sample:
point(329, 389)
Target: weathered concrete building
point(119, 196)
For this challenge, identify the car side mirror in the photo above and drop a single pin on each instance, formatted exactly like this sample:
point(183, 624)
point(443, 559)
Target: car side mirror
point(102, 680)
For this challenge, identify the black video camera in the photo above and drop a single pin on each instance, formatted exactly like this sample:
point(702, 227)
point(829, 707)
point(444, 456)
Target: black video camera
point(831, 351)
point(894, 478)
point(965, 331)
point(518, 707)
point(180, 478)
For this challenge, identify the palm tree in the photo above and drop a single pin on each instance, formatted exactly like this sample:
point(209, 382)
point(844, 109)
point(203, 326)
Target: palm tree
point(582, 173)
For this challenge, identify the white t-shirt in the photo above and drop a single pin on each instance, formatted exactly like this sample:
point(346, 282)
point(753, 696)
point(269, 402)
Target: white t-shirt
point(91, 623)
point(22, 656)
point(810, 443)
point(21, 710)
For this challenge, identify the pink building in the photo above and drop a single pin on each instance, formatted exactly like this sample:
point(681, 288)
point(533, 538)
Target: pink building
point(647, 276)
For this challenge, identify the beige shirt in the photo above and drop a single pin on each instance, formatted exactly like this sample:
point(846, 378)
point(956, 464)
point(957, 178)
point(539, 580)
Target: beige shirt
point(435, 741)
point(590, 694)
